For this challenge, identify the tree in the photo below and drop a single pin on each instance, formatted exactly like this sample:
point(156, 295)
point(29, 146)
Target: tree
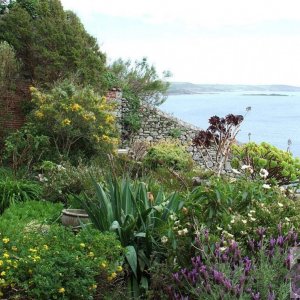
point(9, 66)
point(139, 79)
point(52, 43)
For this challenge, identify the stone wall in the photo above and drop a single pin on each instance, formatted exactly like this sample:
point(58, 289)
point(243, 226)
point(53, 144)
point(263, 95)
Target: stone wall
point(157, 125)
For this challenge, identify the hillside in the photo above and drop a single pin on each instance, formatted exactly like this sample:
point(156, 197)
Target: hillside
point(179, 88)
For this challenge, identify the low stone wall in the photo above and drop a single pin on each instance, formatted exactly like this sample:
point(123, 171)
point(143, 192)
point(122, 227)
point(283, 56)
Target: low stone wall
point(157, 125)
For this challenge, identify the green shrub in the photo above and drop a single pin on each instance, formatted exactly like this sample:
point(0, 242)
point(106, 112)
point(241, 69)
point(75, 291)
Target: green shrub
point(13, 191)
point(25, 147)
point(77, 120)
point(281, 166)
point(61, 180)
point(170, 154)
point(42, 261)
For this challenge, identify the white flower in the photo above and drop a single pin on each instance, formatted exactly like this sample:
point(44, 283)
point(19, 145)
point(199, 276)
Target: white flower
point(249, 215)
point(287, 219)
point(266, 186)
point(173, 217)
point(159, 208)
point(244, 221)
point(222, 249)
point(282, 189)
point(177, 222)
point(245, 167)
point(60, 168)
point(185, 231)
point(180, 232)
point(219, 228)
point(42, 178)
point(263, 173)
point(252, 219)
point(235, 171)
point(232, 221)
point(164, 239)
point(280, 204)
point(252, 211)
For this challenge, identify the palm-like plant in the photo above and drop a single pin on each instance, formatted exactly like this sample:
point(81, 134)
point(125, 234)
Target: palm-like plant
point(130, 210)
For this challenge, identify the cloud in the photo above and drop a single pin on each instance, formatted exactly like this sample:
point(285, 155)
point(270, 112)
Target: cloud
point(200, 13)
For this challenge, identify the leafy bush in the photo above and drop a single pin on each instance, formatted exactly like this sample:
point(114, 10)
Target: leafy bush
point(50, 262)
point(61, 180)
point(76, 120)
point(135, 215)
point(170, 154)
point(25, 147)
point(13, 191)
point(281, 166)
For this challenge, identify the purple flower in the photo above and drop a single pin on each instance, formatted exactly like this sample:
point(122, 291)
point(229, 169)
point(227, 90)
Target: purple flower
point(255, 296)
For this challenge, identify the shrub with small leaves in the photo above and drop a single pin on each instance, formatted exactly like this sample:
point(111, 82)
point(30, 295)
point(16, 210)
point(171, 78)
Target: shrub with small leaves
point(170, 154)
point(281, 166)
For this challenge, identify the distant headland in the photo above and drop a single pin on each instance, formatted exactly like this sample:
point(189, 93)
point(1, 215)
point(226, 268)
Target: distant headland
point(181, 88)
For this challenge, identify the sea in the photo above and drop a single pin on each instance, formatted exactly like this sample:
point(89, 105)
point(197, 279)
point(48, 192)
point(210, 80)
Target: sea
point(274, 118)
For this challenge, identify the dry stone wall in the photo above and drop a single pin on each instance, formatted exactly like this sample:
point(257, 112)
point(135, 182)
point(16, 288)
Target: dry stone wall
point(157, 125)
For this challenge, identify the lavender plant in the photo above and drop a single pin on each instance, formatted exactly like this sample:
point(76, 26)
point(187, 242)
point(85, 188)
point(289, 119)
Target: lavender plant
point(220, 271)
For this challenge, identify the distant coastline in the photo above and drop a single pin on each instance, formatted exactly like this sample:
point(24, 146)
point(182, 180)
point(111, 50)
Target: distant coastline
point(273, 94)
point(186, 88)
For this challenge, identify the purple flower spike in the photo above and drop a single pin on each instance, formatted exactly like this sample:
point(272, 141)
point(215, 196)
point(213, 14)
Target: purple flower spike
point(280, 241)
point(255, 296)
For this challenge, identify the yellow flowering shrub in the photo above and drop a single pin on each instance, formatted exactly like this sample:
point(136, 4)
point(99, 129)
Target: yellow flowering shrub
point(53, 263)
point(75, 119)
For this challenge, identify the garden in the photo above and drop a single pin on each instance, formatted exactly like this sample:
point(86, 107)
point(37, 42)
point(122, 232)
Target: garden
point(158, 225)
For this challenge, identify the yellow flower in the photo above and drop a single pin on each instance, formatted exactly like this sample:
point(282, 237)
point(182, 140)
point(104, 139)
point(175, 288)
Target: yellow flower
point(1, 262)
point(66, 122)
point(103, 98)
point(61, 290)
point(14, 248)
point(109, 119)
point(109, 278)
point(75, 107)
point(30, 271)
point(113, 275)
point(96, 137)
point(103, 265)
point(39, 114)
point(32, 250)
point(5, 240)
point(3, 273)
point(91, 254)
point(46, 247)
point(6, 255)
point(119, 269)
point(82, 245)
point(32, 89)
point(105, 138)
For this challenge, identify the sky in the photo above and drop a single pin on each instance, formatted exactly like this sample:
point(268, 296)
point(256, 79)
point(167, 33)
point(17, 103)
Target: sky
point(201, 41)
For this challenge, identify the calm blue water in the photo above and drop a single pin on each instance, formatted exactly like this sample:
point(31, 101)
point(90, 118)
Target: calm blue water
point(272, 119)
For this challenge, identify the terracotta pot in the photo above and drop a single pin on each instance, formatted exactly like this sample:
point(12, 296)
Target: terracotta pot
point(74, 217)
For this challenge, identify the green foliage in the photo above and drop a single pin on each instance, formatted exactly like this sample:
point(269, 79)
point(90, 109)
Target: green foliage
point(9, 66)
point(52, 43)
point(13, 191)
point(25, 147)
point(61, 180)
point(175, 133)
point(50, 262)
point(134, 214)
point(77, 120)
point(16, 217)
point(170, 154)
point(282, 167)
point(140, 79)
